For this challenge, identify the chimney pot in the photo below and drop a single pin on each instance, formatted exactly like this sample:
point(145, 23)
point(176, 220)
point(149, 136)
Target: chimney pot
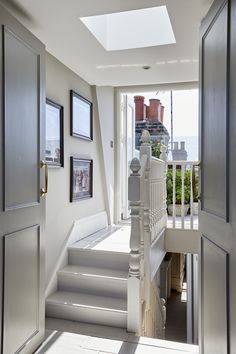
point(154, 109)
point(176, 145)
point(139, 107)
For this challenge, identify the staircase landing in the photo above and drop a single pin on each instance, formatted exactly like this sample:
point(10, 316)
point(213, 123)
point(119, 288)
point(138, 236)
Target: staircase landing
point(114, 239)
point(67, 337)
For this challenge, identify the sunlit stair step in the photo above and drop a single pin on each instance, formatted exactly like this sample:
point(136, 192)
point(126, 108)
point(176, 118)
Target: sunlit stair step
point(96, 281)
point(89, 308)
point(98, 258)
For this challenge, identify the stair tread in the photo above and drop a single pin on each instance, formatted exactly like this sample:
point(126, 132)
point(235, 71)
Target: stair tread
point(124, 251)
point(88, 300)
point(94, 272)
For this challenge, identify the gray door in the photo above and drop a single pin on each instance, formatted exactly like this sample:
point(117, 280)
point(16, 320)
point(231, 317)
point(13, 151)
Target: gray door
point(22, 102)
point(218, 175)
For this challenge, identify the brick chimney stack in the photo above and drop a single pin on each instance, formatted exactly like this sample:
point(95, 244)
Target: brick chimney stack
point(139, 107)
point(153, 112)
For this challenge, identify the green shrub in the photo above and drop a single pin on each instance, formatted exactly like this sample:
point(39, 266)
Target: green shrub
point(178, 186)
point(156, 149)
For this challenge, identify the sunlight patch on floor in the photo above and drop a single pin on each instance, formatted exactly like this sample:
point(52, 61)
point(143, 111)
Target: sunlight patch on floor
point(104, 340)
point(116, 239)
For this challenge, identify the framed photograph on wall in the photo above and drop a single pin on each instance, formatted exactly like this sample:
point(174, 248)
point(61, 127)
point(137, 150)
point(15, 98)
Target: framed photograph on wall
point(81, 179)
point(54, 154)
point(81, 116)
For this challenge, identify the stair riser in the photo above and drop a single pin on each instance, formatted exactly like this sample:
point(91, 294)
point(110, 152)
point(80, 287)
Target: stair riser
point(91, 258)
point(92, 285)
point(80, 314)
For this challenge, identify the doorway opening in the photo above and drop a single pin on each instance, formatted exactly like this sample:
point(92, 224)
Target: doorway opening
point(179, 288)
point(171, 117)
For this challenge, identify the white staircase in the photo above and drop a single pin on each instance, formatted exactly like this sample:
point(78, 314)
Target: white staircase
point(110, 278)
point(92, 288)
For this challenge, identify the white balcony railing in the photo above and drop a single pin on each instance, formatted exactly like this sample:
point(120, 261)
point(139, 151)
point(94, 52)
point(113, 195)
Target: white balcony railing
point(182, 195)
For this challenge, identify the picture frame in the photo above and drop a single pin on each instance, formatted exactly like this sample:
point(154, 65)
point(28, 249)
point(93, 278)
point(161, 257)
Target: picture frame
point(54, 147)
point(81, 114)
point(81, 178)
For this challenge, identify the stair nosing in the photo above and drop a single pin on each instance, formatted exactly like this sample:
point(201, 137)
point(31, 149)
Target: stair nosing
point(77, 305)
point(80, 274)
point(53, 302)
point(71, 248)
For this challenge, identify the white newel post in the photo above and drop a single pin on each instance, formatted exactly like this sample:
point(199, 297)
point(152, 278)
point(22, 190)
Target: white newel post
point(134, 282)
point(146, 149)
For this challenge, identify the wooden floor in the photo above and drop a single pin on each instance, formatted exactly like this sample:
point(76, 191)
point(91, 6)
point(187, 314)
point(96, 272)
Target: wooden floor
point(68, 337)
point(176, 317)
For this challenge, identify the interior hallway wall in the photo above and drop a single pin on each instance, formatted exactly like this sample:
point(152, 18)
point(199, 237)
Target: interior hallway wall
point(60, 213)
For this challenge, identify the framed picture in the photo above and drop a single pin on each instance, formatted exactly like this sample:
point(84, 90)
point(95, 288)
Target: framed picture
point(81, 116)
point(81, 179)
point(54, 154)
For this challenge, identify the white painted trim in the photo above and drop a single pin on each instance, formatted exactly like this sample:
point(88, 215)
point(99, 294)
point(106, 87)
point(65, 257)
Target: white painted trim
point(117, 138)
point(189, 298)
point(182, 241)
point(157, 253)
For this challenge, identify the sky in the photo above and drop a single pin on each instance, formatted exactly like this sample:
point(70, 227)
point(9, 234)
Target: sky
point(185, 110)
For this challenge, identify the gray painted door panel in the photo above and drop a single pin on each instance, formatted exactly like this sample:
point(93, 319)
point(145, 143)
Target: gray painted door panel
point(214, 123)
point(22, 98)
point(21, 120)
point(21, 251)
point(215, 220)
point(214, 297)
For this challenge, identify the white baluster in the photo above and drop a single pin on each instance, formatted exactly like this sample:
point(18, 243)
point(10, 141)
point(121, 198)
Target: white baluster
point(134, 285)
point(146, 149)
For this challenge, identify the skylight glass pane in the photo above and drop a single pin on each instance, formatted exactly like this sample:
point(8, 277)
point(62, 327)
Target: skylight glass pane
point(132, 29)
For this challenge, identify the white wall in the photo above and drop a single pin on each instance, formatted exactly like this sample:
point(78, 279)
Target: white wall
point(60, 213)
point(105, 101)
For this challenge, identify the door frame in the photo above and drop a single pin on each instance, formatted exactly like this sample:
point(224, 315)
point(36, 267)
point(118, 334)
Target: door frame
point(125, 171)
point(118, 130)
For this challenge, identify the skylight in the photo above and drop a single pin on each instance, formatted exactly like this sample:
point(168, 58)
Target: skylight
point(132, 29)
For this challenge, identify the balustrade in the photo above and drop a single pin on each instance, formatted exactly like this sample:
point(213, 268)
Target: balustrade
point(182, 194)
point(152, 183)
point(147, 196)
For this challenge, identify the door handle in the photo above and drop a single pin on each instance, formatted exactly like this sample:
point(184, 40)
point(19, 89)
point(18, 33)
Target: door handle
point(44, 190)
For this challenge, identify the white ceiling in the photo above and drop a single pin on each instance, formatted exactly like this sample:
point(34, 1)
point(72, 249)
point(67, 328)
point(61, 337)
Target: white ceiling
point(57, 24)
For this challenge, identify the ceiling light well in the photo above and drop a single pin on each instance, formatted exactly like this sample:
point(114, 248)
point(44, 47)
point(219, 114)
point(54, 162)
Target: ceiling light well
point(132, 29)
